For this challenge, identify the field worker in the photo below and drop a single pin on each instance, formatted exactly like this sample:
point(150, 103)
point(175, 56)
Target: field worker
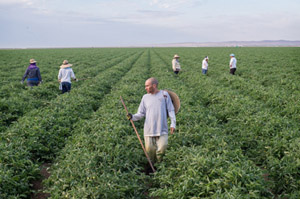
point(32, 74)
point(205, 65)
point(64, 76)
point(175, 64)
point(154, 107)
point(232, 64)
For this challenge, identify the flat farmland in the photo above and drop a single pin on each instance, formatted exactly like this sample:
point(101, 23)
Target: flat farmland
point(236, 137)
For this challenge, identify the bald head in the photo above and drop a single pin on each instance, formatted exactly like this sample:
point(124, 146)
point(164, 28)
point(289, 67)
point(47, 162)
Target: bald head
point(152, 80)
point(151, 85)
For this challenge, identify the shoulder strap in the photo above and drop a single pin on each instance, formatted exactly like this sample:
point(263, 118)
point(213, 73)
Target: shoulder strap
point(165, 96)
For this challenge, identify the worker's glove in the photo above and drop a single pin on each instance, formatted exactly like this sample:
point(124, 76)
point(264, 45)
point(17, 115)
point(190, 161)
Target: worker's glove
point(129, 116)
point(76, 80)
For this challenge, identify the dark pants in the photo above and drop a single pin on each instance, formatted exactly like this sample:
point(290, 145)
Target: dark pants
point(32, 83)
point(176, 72)
point(232, 71)
point(66, 87)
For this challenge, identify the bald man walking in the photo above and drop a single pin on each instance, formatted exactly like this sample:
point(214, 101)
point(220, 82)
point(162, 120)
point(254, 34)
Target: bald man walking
point(155, 106)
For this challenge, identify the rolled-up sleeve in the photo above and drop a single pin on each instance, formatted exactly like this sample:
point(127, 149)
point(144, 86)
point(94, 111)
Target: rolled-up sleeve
point(171, 112)
point(173, 119)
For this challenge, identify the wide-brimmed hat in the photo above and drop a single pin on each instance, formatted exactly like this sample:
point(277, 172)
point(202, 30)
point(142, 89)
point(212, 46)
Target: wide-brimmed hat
point(32, 61)
point(65, 64)
point(176, 56)
point(175, 100)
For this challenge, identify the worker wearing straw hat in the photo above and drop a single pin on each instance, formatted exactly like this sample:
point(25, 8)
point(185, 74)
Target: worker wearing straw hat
point(232, 64)
point(175, 64)
point(64, 76)
point(32, 74)
point(156, 106)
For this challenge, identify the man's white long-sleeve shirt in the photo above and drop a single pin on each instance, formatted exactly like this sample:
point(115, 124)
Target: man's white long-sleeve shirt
point(176, 65)
point(204, 64)
point(154, 108)
point(232, 62)
point(65, 75)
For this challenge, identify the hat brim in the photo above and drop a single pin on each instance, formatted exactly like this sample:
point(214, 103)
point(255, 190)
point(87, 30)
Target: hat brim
point(175, 100)
point(66, 65)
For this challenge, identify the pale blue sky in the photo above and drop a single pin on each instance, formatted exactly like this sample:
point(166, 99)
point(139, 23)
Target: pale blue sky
point(100, 23)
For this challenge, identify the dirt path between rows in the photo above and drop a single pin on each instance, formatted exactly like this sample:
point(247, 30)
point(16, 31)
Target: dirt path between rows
point(37, 185)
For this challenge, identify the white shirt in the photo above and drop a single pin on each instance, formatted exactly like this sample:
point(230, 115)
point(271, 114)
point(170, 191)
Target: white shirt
point(154, 108)
point(204, 64)
point(65, 75)
point(176, 65)
point(232, 62)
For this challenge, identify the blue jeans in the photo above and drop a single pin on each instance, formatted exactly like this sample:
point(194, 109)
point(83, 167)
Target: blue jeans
point(204, 71)
point(66, 87)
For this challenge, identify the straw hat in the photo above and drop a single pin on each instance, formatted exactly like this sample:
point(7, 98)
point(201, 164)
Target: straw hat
point(175, 100)
point(32, 61)
point(65, 64)
point(176, 56)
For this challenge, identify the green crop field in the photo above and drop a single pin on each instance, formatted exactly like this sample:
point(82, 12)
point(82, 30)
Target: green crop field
point(236, 137)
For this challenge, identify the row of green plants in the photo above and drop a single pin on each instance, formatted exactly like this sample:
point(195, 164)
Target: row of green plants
point(236, 137)
point(201, 163)
point(39, 135)
point(17, 99)
point(260, 126)
point(202, 160)
point(103, 158)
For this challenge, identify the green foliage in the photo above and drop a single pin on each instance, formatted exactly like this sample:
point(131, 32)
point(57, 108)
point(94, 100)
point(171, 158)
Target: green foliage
point(236, 136)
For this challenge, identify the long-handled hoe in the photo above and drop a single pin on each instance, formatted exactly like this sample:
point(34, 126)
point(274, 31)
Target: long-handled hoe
point(137, 134)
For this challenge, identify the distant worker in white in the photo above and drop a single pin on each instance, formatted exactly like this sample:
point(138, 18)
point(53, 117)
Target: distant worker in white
point(232, 64)
point(175, 64)
point(205, 65)
point(64, 76)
